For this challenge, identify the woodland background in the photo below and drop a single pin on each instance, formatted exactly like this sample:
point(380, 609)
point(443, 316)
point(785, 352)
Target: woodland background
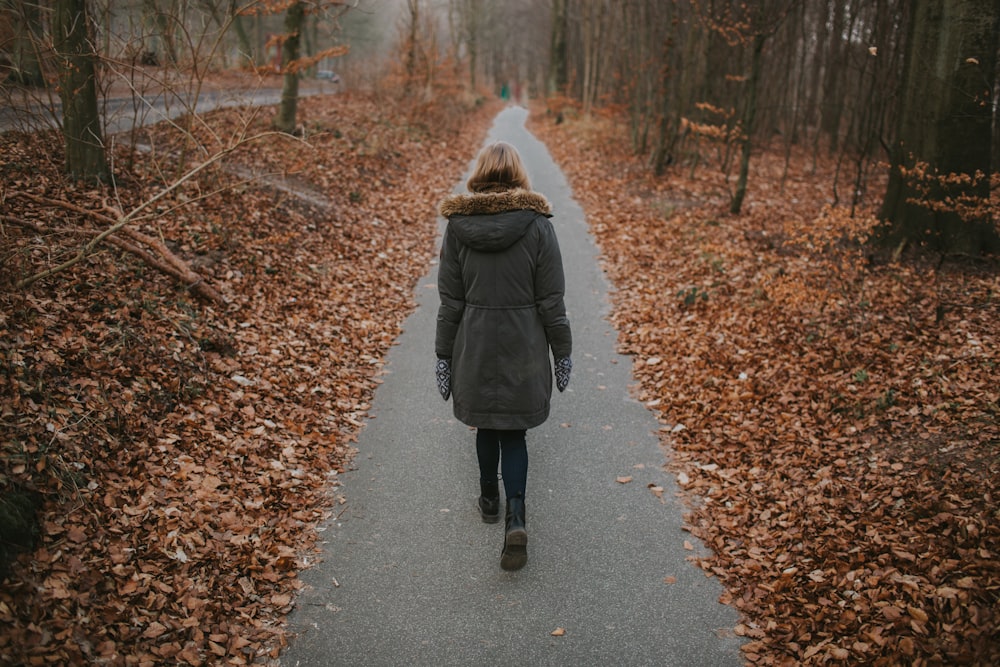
point(794, 201)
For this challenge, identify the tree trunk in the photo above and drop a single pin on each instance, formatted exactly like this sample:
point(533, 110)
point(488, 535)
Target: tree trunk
point(246, 48)
point(212, 9)
point(85, 159)
point(593, 18)
point(558, 77)
point(833, 102)
point(939, 182)
point(27, 41)
point(162, 38)
point(587, 48)
point(749, 120)
point(821, 35)
point(667, 117)
point(285, 121)
point(472, 26)
point(412, 46)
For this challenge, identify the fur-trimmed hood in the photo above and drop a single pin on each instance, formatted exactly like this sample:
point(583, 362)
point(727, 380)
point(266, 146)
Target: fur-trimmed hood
point(493, 221)
point(491, 203)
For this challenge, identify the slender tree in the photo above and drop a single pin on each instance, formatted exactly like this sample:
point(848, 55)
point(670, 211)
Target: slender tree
point(749, 121)
point(557, 78)
point(247, 49)
point(755, 28)
point(593, 24)
point(85, 158)
point(287, 110)
point(941, 156)
point(27, 21)
point(413, 42)
point(161, 21)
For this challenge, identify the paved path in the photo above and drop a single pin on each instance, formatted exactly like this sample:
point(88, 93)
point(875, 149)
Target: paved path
point(121, 113)
point(411, 575)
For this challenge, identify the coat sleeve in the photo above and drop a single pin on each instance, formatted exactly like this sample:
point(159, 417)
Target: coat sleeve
point(452, 294)
point(550, 289)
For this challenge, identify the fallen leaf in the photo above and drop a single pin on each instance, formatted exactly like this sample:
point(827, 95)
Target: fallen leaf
point(154, 630)
point(917, 613)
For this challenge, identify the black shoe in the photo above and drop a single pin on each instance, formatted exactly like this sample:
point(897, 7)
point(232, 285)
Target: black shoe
point(515, 540)
point(489, 501)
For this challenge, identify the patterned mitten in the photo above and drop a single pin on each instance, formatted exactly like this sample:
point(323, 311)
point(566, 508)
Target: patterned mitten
point(564, 367)
point(443, 372)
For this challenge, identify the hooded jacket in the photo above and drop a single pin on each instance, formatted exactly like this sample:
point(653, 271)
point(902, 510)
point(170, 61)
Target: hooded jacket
point(501, 286)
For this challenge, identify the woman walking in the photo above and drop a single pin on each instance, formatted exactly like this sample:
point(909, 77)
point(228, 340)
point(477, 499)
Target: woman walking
point(501, 286)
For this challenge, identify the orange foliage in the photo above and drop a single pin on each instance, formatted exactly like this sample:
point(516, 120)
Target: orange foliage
point(557, 104)
point(929, 184)
point(305, 62)
point(185, 454)
point(833, 420)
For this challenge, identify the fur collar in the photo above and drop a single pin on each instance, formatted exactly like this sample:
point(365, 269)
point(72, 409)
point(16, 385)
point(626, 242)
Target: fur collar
point(491, 203)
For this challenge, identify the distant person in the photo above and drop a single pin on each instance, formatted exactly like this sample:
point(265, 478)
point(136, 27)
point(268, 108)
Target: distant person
point(501, 286)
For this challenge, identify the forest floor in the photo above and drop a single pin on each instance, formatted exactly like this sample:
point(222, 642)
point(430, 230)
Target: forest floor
point(181, 451)
point(832, 417)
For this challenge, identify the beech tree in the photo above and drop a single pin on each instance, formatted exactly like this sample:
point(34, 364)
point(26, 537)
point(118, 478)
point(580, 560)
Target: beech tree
point(287, 111)
point(26, 21)
point(293, 63)
point(941, 156)
point(470, 24)
point(247, 50)
point(85, 158)
point(557, 74)
point(161, 48)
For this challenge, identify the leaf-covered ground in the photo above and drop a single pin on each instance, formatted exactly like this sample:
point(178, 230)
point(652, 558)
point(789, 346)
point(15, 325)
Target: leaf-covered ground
point(833, 418)
point(182, 452)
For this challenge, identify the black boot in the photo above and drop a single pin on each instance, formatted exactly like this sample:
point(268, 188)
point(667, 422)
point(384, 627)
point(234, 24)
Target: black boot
point(489, 501)
point(515, 540)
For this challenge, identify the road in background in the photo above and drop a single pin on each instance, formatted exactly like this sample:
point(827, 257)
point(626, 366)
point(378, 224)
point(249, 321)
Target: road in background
point(123, 112)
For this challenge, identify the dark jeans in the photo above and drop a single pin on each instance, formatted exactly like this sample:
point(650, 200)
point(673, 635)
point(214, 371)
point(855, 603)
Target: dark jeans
point(508, 449)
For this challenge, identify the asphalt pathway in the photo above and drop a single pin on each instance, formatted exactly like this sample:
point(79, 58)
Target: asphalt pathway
point(411, 576)
point(121, 113)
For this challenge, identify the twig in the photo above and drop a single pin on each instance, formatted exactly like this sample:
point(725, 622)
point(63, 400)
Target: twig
point(174, 268)
point(182, 271)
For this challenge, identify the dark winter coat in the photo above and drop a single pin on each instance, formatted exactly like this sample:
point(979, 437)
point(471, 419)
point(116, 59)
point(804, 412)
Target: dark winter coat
point(501, 285)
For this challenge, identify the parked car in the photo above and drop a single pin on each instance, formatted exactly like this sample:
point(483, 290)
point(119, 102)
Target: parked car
point(327, 75)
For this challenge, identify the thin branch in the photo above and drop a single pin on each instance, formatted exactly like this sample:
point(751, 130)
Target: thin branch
point(124, 219)
point(113, 240)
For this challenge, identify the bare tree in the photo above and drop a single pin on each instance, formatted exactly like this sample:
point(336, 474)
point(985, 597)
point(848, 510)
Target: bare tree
point(558, 77)
point(26, 65)
point(287, 111)
point(941, 155)
point(161, 21)
point(469, 21)
point(85, 159)
point(593, 22)
point(413, 41)
point(247, 49)
point(293, 64)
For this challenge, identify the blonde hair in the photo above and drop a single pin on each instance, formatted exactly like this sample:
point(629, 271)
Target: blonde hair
point(498, 167)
